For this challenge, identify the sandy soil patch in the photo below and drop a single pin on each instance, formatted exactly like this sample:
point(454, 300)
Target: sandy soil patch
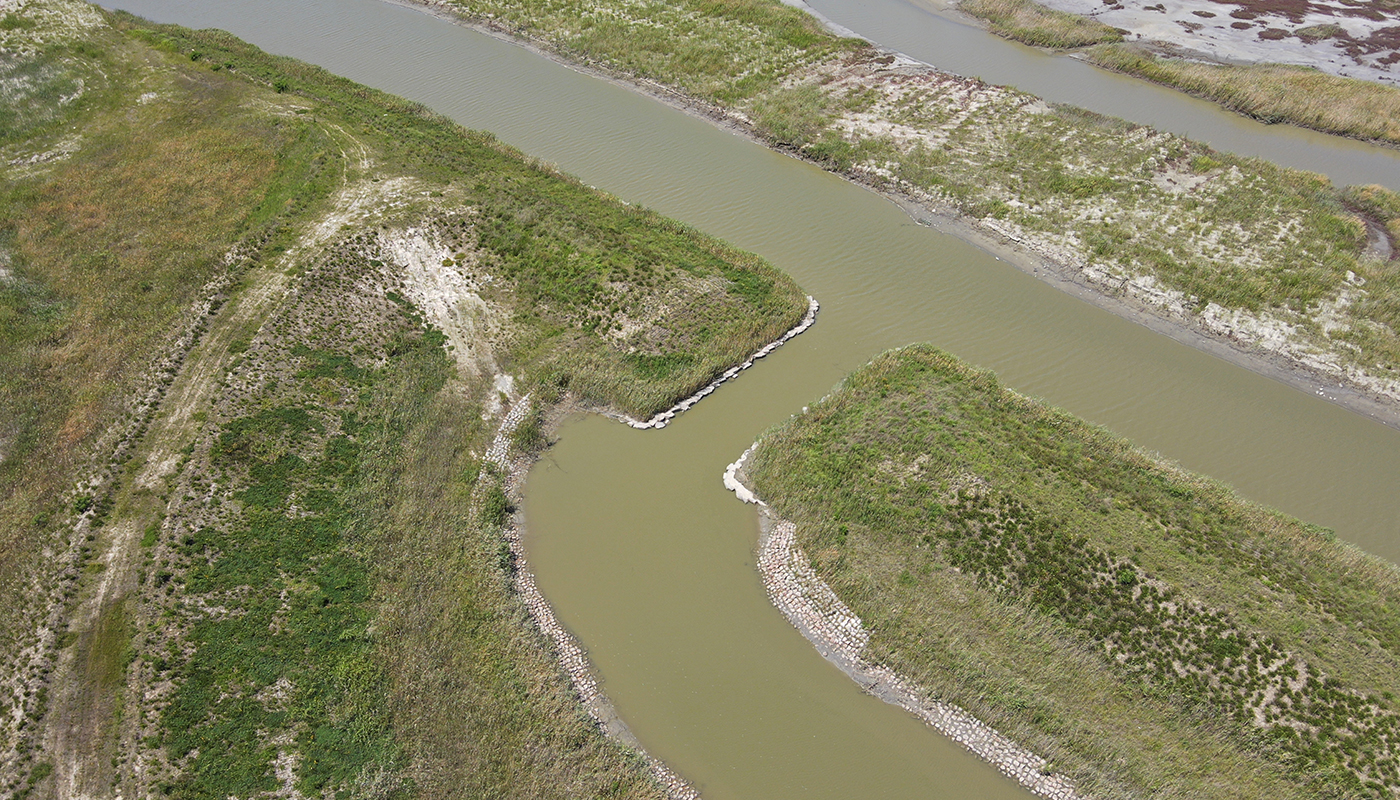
point(444, 285)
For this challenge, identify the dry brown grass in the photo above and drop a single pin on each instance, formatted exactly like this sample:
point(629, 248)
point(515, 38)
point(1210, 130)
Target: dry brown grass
point(1272, 92)
point(109, 250)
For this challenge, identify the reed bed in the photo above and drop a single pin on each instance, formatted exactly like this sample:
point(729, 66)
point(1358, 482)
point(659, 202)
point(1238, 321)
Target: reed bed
point(1031, 23)
point(1272, 93)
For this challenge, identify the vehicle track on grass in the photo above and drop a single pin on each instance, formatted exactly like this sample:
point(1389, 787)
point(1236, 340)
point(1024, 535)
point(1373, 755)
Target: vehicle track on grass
point(90, 718)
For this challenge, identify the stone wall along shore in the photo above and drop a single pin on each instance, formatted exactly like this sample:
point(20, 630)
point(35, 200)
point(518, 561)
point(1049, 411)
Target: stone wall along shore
point(839, 635)
point(572, 657)
point(660, 420)
point(514, 466)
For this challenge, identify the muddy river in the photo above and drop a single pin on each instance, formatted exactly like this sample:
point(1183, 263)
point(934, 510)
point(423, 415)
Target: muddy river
point(634, 540)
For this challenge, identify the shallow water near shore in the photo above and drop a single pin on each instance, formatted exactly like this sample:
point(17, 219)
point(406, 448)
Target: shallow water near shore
point(927, 31)
point(634, 540)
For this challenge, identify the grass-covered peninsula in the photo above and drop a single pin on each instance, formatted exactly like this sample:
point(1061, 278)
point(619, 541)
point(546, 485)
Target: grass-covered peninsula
point(1270, 260)
point(259, 327)
point(1143, 628)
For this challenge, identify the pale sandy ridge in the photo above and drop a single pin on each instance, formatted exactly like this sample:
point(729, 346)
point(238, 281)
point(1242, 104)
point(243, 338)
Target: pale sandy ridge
point(840, 636)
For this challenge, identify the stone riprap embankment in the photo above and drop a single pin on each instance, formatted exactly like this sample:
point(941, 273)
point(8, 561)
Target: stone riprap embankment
point(514, 466)
point(838, 634)
point(660, 420)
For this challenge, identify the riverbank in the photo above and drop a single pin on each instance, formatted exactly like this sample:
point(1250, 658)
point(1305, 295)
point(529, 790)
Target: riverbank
point(514, 464)
point(1271, 93)
point(660, 419)
point(1290, 74)
point(841, 637)
point(1210, 335)
point(1346, 39)
point(1024, 565)
point(273, 562)
point(1219, 282)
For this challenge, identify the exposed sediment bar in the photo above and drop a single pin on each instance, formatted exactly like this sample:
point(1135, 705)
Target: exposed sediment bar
point(660, 420)
point(840, 636)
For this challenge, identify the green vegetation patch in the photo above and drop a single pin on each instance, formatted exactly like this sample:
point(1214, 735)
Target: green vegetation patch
point(39, 89)
point(305, 638)
point(725, 51)
point(1378, 203)
point(591, 280)
point(122, 192)
point(302, 598)
point(1032, 173)
point(1142, 627)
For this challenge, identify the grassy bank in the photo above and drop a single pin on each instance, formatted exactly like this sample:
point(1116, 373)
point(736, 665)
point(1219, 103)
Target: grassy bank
point(605, 294)
point(103, 253)
point(115, 218)
point(1271, 92)
point(256, 327)
point(1266, 257)
point(371, 639)
point(1145, 629)
point(726, 52)
point(1033, 24)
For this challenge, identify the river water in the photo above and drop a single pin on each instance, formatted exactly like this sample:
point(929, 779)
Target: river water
point(927, 31)
point(645, 556)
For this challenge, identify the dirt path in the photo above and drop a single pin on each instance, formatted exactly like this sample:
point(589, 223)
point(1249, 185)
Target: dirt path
point(80, 732)
point(87, 678)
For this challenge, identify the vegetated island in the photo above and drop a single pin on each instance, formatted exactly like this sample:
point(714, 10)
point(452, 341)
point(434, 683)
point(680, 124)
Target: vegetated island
point(1275, 62)
point(1276, 267)
point(271, 344)
point(1144, 629)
